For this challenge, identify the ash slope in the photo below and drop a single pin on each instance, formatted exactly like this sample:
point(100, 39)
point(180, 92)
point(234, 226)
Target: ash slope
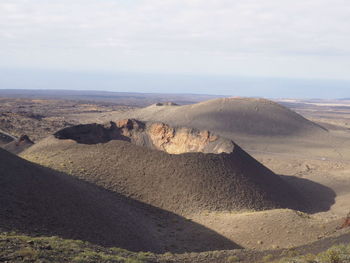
point(231, 116)
point(39, 201)
point(189, 182)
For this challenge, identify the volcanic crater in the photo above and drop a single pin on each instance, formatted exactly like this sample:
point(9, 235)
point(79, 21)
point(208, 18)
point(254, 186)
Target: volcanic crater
point(153, 135)
point(182, 170)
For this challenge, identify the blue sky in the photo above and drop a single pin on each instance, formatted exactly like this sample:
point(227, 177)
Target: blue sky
point(219, 39)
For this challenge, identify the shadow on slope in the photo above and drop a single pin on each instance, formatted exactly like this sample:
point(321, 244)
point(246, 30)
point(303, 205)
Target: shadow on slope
point(5, 138)
point(40, 201)
point(92, 133)
point(318, 198)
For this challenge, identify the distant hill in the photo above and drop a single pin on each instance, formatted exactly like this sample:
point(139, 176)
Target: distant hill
point(231, 116)
point(121, 98)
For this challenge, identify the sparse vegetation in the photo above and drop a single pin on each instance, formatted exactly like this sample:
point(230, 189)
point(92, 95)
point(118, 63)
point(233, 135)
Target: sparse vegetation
point(232, 259)
point(336, 254)
point(303, 215)
point(27, 253)
point(267, 258)
point(20, 248)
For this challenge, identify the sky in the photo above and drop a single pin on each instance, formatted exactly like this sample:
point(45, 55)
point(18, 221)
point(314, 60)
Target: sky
point(301, 43)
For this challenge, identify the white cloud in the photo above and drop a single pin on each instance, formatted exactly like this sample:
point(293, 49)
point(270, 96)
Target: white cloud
point(156, 34)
